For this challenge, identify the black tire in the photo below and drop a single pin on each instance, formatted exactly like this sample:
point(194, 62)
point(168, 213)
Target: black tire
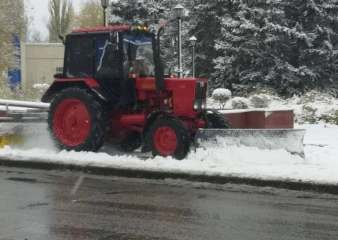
point(218, 121)
point(99, 119)
point(130, 144)
point(182, 137)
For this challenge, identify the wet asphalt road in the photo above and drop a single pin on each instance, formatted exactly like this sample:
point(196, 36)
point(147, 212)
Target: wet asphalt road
point(38, 204)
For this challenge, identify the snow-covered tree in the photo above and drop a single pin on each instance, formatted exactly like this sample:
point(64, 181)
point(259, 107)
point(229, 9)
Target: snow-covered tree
point(205, 25)
point(61, 16)
point(288, 45)
point(313, 27)
point(248, 44)
point(221, 95)
point(9, 26)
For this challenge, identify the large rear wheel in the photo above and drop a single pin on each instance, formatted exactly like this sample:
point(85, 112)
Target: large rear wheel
point(169, 137)
point(77, 120)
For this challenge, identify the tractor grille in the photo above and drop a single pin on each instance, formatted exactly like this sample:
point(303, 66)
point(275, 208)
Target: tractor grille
point(201, 91)
point(200, 96)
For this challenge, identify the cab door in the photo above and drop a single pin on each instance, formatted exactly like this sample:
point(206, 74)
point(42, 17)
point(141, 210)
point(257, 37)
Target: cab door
point(107, 70)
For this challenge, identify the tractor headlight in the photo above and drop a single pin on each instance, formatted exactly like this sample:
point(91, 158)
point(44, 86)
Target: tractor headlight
point(196, 105)
point(204, 105)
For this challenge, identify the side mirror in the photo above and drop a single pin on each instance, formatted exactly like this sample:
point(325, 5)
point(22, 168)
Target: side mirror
point(62, 38)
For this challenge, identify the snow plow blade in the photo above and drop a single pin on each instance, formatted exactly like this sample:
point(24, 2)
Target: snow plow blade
point(289, 139)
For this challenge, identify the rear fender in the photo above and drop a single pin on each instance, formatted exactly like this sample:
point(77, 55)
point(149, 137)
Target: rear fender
point(59, 84)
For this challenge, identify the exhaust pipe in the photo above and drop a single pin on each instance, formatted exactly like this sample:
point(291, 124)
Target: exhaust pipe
point(133, 119)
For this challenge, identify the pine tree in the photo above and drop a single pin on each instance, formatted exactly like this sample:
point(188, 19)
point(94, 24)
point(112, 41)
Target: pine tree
point(288, 45)
point(206, 17)
point(315, 43)
point(248, 45)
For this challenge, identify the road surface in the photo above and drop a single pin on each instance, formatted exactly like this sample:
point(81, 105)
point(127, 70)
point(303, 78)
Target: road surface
point(37, 204)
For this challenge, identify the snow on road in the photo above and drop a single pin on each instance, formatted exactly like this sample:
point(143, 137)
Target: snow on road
point(320, 164)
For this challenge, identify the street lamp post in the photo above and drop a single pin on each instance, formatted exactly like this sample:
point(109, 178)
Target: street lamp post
point(179, 13)
point(193, 41)
point(105, 4)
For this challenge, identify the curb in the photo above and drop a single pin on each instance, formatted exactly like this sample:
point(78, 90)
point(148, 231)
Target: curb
point(158, 175)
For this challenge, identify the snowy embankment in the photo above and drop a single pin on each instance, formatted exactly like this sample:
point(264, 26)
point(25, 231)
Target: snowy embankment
point(319, 166)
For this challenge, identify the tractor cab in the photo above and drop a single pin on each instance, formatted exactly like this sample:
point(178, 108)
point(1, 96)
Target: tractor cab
point(110, 55)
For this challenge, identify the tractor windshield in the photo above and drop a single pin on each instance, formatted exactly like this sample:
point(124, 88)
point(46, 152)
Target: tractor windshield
point(139, 58)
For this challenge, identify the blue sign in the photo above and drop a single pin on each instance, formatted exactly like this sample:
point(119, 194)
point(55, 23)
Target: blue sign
point(14, 75)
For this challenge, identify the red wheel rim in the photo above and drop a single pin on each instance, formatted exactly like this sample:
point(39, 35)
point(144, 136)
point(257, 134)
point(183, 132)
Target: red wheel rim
point(71, 122)
point(165, 140)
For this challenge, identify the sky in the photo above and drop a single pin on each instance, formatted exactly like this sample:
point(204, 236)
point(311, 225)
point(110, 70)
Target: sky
point(38, 11)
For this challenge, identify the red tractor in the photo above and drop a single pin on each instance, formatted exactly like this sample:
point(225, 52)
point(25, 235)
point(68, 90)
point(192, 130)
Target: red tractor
point(113, 88)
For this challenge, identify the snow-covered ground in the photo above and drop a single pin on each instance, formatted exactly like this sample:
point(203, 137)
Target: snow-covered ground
point(320, 164)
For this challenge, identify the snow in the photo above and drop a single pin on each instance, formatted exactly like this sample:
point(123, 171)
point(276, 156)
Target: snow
point(221, 92)
point(42, 86)
point(320, 103)
point(319, 166)
point(239, 103)
point(255, 110)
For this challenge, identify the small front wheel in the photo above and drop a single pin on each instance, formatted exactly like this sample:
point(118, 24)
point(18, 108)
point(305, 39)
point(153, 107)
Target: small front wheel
point(169, 137)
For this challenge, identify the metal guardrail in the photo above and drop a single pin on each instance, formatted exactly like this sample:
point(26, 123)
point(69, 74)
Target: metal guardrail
point(22, 111)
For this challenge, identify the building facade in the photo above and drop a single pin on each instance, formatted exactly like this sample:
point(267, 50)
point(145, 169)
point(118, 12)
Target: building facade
point(39, 62)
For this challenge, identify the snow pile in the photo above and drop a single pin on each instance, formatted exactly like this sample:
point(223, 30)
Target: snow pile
point(320, 164)
point(221, 92)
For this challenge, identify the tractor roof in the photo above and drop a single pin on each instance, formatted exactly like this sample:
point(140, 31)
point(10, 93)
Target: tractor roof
point(101, 29)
